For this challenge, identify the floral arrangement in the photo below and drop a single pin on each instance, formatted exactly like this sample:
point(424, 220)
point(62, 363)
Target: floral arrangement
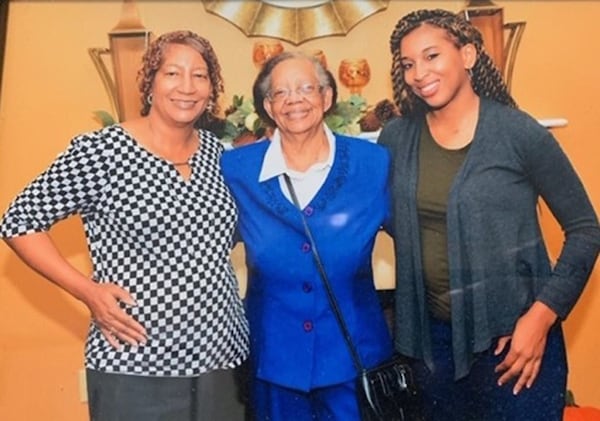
point(351, 116)
point(344, 117)
point(241, 119)
point(241, 124)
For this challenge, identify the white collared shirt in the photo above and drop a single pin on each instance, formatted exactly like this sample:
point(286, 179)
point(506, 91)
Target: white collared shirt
point(306, 183)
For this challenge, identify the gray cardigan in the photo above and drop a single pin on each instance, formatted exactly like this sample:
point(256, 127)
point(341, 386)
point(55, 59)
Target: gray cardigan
point(498, 261)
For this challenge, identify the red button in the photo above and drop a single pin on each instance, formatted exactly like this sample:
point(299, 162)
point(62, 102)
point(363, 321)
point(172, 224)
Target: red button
point(308, 326)
point(305, 247)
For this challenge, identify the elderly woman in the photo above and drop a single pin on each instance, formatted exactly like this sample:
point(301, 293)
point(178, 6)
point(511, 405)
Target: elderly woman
point(168, 323)
point(300, 363)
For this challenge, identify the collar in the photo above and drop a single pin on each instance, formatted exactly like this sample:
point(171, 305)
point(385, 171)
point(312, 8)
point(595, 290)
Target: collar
point(274, 162)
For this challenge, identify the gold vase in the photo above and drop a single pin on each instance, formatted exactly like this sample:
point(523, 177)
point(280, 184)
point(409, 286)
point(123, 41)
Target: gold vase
point(264, 50)
point(354, 74)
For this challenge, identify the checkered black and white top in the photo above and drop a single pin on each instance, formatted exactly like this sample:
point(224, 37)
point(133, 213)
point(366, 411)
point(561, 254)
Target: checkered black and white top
point(163, 239)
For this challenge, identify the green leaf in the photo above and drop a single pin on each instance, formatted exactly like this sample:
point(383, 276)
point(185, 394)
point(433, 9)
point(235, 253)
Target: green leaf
point(570, 398)
point(237, 100)
point(257, 125)
point(230, 130)
point(104, 118)
point(334, 121)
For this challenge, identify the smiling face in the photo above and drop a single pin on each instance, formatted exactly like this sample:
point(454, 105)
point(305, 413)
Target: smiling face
point(181, 89)
point(296, 100)
point(435, 68)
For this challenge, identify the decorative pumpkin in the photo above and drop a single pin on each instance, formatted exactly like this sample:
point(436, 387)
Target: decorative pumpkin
point(573, 412)
point(581, 413)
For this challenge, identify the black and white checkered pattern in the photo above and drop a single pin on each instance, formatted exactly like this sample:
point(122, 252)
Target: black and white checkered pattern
point(162, 238)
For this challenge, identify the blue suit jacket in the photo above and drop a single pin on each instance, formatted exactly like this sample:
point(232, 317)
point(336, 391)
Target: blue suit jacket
point(295, 339)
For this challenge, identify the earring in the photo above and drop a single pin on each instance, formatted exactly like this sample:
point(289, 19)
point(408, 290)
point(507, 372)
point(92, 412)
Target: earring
point(149, 99)
point(210, 106)
point(470, 73)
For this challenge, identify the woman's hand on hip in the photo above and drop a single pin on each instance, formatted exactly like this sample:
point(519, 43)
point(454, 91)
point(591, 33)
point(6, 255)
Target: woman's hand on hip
point(39, 252)
point(527, 346)
point(116, 325)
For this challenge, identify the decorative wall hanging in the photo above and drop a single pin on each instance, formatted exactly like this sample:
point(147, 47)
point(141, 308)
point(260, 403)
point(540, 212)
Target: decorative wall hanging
point(295, 21)
point(501, 39)
point(3, 26)
point(128, 41)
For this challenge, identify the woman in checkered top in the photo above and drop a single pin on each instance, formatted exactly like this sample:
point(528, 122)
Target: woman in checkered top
point(167, 325)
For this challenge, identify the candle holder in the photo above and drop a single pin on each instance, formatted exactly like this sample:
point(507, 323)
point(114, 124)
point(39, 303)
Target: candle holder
point(264, 50)
point(354, 74)
point(320, 55)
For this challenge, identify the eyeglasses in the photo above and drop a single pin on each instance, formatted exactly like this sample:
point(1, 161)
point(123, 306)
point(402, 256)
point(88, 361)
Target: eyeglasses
point(306, 90)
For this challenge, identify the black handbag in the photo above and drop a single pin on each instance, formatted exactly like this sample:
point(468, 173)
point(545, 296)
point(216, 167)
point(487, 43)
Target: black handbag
point(386, 392)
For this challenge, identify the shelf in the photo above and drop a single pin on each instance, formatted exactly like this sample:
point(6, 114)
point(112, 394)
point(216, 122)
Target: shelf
point(551, 123)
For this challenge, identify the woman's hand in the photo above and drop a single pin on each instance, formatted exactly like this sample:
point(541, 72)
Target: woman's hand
point(104, 301)
point(527, 346)
point(39, 252)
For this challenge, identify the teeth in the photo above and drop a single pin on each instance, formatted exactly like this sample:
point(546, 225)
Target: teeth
point(429, 89)
point(296, 114)
point(185, 104)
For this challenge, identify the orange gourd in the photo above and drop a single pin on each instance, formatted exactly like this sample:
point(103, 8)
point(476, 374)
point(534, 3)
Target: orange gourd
point(581, 413)
point(573, 412)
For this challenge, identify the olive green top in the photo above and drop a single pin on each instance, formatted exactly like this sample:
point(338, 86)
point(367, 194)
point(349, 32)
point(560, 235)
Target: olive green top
point(437, 168)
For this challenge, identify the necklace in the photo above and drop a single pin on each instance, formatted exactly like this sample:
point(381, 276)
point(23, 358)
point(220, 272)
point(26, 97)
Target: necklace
point(190, 138)
point(178, 164)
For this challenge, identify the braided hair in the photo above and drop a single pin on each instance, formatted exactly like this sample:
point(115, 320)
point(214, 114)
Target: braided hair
point(486, 79)
point(153, 59)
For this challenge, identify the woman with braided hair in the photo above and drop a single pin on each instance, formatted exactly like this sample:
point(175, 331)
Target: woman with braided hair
point(478, 303)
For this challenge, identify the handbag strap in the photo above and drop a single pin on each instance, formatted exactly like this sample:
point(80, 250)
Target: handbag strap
point(330, 294)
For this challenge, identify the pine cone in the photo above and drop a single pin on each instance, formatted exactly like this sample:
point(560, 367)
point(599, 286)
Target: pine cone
point(369, 122)
point(374, 119)
point(385, 110)
point(230, 110)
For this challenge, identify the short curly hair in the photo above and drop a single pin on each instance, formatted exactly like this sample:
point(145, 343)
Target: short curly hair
point(262, 83)
point(153, 59)
point(486, 79)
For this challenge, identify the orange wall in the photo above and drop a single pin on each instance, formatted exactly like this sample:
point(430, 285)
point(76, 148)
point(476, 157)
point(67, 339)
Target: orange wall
point(50, 89)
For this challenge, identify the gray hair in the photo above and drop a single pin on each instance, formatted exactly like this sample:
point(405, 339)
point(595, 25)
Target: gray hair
point(262, 84)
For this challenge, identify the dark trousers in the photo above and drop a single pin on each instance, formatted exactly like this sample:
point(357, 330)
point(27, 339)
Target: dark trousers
point(477, 397)
point(276, 403)
point(210, 397)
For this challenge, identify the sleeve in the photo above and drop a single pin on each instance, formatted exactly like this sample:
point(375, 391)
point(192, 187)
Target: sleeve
point(387, 191)
point(70, 185)
point(561, 188)
point(386, 136)
point(390, 138)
